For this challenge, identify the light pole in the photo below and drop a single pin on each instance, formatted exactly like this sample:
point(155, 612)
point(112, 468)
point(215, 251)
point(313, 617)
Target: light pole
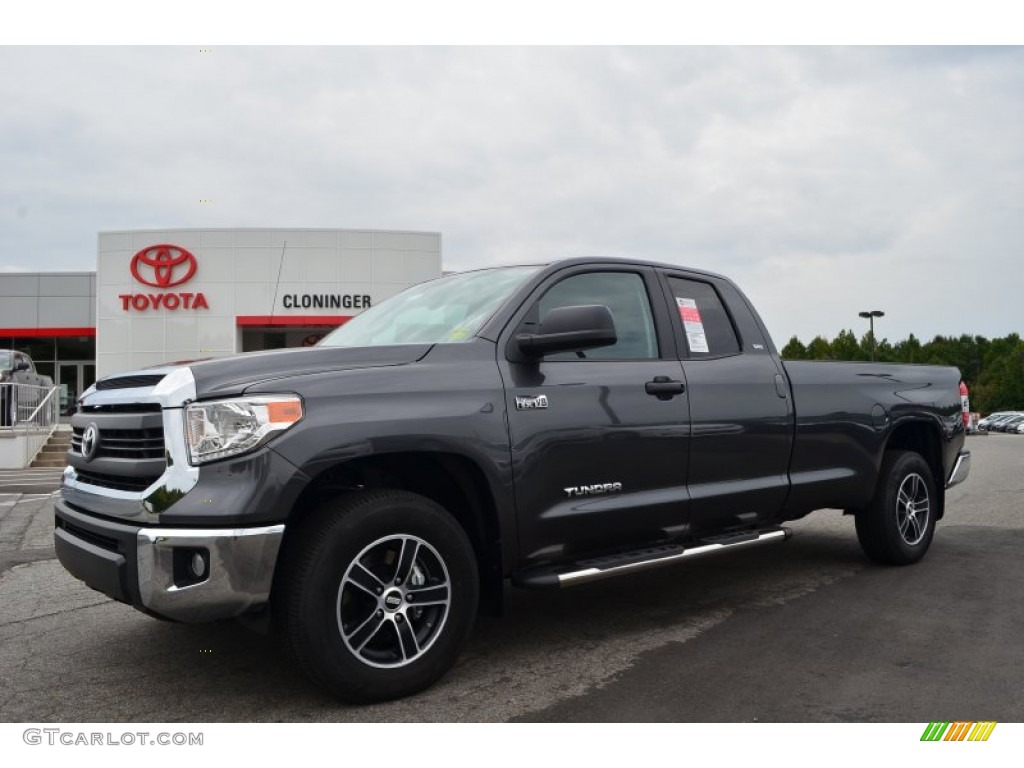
point(871, 315)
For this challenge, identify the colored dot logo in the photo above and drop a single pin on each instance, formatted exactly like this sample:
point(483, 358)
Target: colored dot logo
point(959, 731)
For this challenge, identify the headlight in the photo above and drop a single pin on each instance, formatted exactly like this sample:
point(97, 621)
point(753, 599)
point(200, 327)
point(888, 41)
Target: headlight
point(222, 428)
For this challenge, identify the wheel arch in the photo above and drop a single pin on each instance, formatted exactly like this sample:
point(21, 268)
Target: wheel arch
point(452, 480)
point(925, 439)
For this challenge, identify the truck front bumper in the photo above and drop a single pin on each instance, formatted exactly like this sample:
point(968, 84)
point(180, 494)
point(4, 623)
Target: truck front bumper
point(961, 469)
point(188, 575)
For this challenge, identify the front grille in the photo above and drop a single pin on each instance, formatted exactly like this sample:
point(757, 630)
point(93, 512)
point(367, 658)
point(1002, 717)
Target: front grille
point(126, 382)
point(122, 408)
point(116, 482)
point(129, 453)
point(124, 443)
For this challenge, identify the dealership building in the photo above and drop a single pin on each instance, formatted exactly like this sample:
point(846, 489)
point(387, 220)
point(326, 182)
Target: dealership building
point(159, 296)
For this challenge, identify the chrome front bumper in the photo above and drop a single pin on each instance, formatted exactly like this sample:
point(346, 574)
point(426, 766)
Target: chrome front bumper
point(239, 571)
point(152, 568)
point(961, 469)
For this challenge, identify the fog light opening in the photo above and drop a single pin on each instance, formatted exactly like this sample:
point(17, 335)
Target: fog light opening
point(191, 566)
point(198, 566)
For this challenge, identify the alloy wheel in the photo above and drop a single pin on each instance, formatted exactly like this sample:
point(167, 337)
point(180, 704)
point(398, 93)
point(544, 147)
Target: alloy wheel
point(393, 601)
point(913, 507)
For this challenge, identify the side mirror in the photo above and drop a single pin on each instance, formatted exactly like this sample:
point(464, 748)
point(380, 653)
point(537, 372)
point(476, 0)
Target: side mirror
point(569, 329)
point(21, 365)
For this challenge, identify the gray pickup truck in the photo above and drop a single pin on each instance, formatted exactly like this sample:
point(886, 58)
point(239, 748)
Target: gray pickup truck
point(540, 425)
point(18, 368)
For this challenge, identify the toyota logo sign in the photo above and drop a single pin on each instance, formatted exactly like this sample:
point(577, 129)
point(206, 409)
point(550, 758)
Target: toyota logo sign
point(163, 266)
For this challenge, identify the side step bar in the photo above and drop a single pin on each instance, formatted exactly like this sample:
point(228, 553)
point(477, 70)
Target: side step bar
point(594, 569)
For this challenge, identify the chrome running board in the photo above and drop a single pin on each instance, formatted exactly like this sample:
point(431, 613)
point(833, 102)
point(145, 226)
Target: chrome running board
point(623, 563)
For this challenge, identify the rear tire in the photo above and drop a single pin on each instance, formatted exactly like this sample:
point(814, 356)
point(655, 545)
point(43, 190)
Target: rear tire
point(896, 528)
point(378, 592)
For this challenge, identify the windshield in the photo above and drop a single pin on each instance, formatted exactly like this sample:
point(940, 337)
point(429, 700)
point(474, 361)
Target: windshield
point(451, 308)
point(5, 359)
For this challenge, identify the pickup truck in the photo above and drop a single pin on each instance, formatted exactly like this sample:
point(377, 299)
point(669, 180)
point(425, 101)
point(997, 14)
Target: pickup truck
point(18, 368)
point(540, 425)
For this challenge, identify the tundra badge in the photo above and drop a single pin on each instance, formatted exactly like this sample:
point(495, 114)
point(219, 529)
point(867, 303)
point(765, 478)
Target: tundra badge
point(593, 490)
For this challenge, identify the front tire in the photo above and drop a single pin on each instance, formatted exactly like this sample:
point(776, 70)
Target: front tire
point(896, 528)
point(378, 593)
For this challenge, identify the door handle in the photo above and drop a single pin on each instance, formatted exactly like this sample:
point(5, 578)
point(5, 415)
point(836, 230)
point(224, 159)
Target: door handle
point(780, 387)
point(664, 388)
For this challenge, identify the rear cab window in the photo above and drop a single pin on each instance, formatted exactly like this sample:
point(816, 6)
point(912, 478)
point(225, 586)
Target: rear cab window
point(707, 328)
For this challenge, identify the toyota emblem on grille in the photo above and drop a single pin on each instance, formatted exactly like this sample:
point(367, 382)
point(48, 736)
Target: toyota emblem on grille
point(90, 442)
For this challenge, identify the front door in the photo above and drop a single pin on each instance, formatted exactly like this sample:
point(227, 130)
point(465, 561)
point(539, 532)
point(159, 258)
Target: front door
point(71, 381)
point(598, 463)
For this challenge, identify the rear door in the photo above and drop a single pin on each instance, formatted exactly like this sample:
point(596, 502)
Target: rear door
point(598, 463)
point(740, 408)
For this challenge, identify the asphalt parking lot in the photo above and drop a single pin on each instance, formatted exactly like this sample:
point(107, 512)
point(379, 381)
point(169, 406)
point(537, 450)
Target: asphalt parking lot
point(806, 630)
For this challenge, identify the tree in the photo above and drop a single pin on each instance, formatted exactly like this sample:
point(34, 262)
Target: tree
point(794, 350)
point(819, 349)
point(884, 352)
point(1001, 383)
point(846, 347)
point(908, 351)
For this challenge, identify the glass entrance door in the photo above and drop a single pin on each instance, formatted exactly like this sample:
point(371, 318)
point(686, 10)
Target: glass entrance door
point(73, 379)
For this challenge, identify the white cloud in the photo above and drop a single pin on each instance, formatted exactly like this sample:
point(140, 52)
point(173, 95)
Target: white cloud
point(823, 180)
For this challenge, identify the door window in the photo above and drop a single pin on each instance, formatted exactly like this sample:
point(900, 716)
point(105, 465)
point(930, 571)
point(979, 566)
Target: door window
point(625, 296)
point(708, 329)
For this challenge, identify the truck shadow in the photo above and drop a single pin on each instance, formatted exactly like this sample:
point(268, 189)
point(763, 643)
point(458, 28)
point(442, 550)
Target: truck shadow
point(227, 672)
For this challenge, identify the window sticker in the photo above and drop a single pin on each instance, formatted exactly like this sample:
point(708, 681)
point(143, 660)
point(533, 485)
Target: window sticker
point(693, 325)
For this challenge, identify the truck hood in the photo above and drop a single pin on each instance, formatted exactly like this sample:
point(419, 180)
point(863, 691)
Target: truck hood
point(222, 377)
point(231, 375)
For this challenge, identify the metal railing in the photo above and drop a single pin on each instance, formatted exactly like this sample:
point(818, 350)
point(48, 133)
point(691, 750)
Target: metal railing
point(30, 412)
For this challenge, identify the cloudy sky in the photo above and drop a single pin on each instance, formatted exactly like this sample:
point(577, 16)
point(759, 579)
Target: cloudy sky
point(823, 180)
